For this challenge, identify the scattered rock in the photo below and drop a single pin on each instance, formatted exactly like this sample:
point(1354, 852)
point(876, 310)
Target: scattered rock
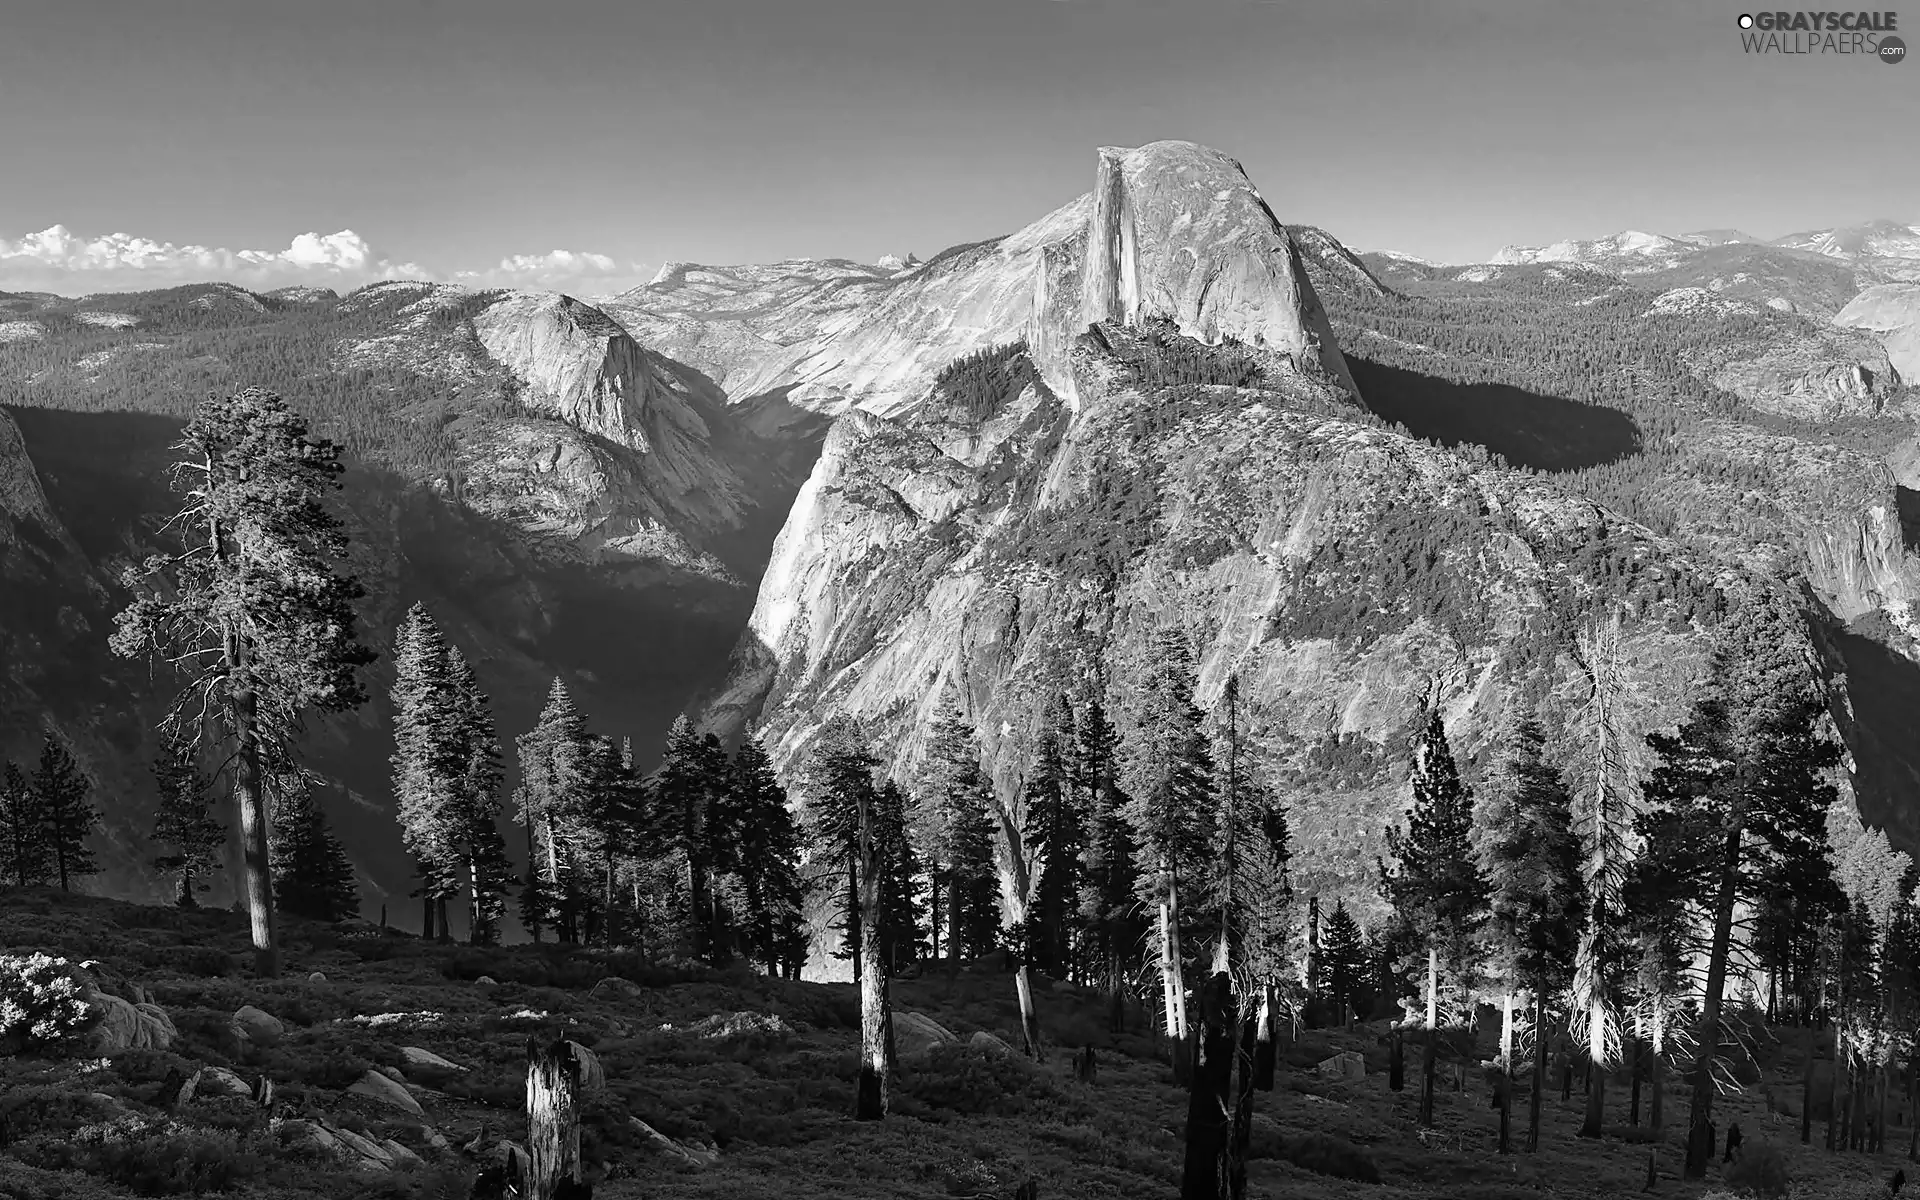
point(400, 1156)
point(989, 1045)
point(435, 1138)
point(376, 1086)
point(124, 1025)
point(486, 981)
point(370, 1152)
point(317, 977)
point(417, 1057)
point(212, 1081)
point(615, 988)
point(741, 1024)
point(914, 1034)
point(699, 1156)
point(254, 1025)
point(1347, 1064)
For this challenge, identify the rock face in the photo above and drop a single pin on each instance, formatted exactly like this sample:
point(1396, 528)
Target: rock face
point(914, 1034)
point(1891, 310)
point(262, 1028)
point(124, 1025)
point(1171, 230)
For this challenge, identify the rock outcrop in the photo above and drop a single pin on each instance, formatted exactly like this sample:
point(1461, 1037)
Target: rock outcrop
point(1891, 310)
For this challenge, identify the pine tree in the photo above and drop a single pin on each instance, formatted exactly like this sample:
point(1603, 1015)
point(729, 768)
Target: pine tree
point(1343, 954)
point(428, 765)
point(476, 807)
point(251, 610)
point(556, 796)
point(27, 861)
point(901, 932)
point(957, 833)
point(1168, 778)
point(60, 797)
point(1530, 858)
point(769, 857)
point(1436, 887)
point(1603, 820)
point(183, 822)
point(1109, 876)
point(1056, 843)
point(1737, 790)
point(840, 786)
point(685, 789)
point(312, 875)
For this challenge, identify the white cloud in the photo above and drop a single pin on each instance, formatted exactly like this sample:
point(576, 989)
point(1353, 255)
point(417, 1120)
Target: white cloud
point(58, 260)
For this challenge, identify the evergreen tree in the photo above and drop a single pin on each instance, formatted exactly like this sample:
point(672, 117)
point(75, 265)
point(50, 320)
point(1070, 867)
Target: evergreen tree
point(312, 875)
point(183, 822)
point(428, 766)
point(27, 861)
point(60, 798)
point(1530, 858)
point(954, 799)
point(901, 932)
point(556, 800)
point(769, 857)
point(1343, 956)
point(1739, 789)
point(686, 788)
point(1056, 840)
point(1168, 778)
point(1436, 887)
point(476, 806)
point(1109, 877)
point(840, 791)
point(251, 609)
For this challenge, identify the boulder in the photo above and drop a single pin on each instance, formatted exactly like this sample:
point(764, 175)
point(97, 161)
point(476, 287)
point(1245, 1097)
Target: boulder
point(386, 1090)
point(486, 981)
point(417, 1057)
point(399, 1155)
point(369, 1152)
point(741, 1024)
point(209, 1082)
point(986, 1043)
point(317, 977)
point(124, 1025)
point(615, 988)
point(1348, 1064)
point(914, 1034)
point(257, 1026)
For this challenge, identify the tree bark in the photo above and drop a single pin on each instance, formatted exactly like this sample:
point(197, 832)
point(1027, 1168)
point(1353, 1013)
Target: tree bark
point(553, 1116)
point(1506, 1073)
point(1596, 1101)
point(1701, 1113)
point(1633, 1073)
point(253, 831)
point(1806, 1093)
point(1248, 1081)
point(1539, 1066)
point(1172, 985)
point(1428, 1054)
point(1265, 1049)
point(1657, 1077)
point(1029, 1023)
point(870, 1102)
point(1396, 1060)
point(1833, 1089)
point(1207, 1173)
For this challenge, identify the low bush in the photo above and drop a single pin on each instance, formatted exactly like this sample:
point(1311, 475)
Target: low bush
point(1759, 1168)
point(43, 1004)
point(1324, 1154)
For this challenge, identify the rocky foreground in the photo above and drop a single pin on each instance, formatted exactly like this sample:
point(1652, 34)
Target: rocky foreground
point(383, 1067)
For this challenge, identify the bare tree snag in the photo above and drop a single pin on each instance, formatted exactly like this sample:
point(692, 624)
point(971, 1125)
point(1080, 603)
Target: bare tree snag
point(553, 1116)
point(1208, 1169)
point(870, 1100)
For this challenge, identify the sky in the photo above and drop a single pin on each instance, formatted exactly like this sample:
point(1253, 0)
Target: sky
point(581, 143)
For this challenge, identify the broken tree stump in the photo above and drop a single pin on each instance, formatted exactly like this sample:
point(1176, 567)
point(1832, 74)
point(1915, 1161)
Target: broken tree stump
point(553, 1117)
point(1086, 1068)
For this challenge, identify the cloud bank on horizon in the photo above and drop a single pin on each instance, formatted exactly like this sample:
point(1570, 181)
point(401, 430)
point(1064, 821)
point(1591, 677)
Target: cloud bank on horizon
point(60, 261)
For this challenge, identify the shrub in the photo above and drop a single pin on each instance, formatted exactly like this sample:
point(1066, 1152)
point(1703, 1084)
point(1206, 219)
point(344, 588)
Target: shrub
point(1760, 1169)
point(1324, 1154)
point(42, 1003)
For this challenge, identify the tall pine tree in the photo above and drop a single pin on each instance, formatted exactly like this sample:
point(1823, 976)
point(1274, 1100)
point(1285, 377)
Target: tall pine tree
point(251, 610)
point(312, 875)
point(555, 806)
point(1056, 838)
point(1435, 886)
point(25, 829)
point(427, 764)
point(476, 805)
point(769, 859)
point(1109, 871)
point(953, 811)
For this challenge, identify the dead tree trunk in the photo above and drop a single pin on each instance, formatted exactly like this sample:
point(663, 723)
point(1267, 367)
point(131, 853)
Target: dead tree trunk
point(1539, 1067)
point(253, 829)
point(1396, 1060)
point(1806, 1092)
point(870, 1102)
point(1428, 1055)
point(1208, 1169)
point(1266, 1055)
point(553, 1117)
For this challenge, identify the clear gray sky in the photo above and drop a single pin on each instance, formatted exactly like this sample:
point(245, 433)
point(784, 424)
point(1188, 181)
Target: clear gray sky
point(456, 133)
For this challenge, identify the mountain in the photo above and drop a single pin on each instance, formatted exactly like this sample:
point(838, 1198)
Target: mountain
point(1623, 253)
point(1891, 310)
point(1026, 521)
point(547, 485)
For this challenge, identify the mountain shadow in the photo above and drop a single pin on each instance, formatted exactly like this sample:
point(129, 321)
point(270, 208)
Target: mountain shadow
point(1883, 690)
point(1907, 502)
point(1528, 429)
